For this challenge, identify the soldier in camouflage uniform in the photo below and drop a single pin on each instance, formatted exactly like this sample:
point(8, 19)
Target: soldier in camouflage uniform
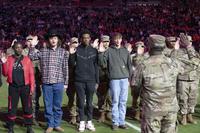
point(71, 91)
point(170, 45)
point(35, 98)
point(137, 58)
point(188, 86)
point(156, 80)
point(104, 99)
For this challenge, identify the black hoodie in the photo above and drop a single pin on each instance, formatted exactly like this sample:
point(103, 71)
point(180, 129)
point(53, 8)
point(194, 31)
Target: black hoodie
point(85, 61)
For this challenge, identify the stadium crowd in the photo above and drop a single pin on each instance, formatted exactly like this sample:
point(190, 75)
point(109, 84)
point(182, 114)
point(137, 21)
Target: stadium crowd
point(85, 51)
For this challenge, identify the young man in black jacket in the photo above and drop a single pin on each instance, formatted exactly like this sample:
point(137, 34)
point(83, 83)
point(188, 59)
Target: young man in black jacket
point(84, 58)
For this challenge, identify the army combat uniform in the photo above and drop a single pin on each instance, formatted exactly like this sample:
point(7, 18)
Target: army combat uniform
point(188, 87)
point(104, 99)
point(156, 77)
point(136, 60)
point(71, 93)
point(38, 82)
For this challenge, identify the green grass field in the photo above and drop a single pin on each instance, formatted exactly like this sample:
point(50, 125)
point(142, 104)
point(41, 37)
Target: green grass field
point(100, 128)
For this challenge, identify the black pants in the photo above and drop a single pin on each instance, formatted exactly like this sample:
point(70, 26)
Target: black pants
point(13, 99)
point(35, 100)
point(85, 90)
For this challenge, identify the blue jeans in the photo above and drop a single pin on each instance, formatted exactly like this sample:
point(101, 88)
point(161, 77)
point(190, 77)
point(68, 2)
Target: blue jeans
point(52, 96)
point(119, 94)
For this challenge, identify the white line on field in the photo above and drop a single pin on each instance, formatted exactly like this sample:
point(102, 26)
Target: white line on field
point(133, 126)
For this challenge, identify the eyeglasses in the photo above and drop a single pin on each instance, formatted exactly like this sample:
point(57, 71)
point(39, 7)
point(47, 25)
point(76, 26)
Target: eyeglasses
point(139, 46)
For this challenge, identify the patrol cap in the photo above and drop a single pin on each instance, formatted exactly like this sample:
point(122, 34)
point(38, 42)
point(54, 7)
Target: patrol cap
point(189, 38)
point(74, 40)
point(156, 42)
point(105, 38)
point(139, 44)
point(171, 39)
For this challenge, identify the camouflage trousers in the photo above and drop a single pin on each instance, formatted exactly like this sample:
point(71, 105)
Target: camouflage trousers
point(187, 96)
point(159, 124)
point(104, 99)
point(72, 105)
point(35, 100)
point(135, 99)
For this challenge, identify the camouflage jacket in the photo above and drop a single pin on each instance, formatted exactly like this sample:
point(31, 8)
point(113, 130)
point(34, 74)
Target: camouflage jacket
point(138, 59)
point(156, 80)
point(157, 77)
point(186, 54)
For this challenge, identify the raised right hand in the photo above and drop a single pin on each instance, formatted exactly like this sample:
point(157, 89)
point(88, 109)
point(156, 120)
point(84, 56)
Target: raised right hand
point(3, 57)
point(101, 48)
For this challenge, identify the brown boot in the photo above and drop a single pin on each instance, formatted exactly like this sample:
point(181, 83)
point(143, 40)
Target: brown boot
point(108, 116)
point(73, 120)
point(59, 129)
point(184, 120)
point(102, 117)
point(190, 119)
point(49, 130)
point(137, 115)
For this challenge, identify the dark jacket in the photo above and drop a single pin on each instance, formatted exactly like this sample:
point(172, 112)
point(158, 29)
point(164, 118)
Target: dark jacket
point(85, 62)
point(117, 61)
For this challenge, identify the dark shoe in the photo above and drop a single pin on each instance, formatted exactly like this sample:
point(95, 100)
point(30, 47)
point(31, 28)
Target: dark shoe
point(114, 127)
point(190, 119)
point(123, 127)
point(10, 130)
point(29, 129)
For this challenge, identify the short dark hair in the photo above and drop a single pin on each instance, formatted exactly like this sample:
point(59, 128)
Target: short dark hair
point(17, 42)
point(85, 31)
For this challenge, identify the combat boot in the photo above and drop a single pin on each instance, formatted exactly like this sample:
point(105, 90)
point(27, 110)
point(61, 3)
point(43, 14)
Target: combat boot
point(137, 115)
point(184, 120)
point(102, 117)
point(108, 116)
point(73, 120)
point(190, 119)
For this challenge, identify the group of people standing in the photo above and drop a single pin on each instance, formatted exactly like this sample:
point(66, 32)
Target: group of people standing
point(85, 68)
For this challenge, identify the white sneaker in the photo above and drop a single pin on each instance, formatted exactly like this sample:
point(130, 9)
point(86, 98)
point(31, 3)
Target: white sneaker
point(90, 126)
point(81, 126)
